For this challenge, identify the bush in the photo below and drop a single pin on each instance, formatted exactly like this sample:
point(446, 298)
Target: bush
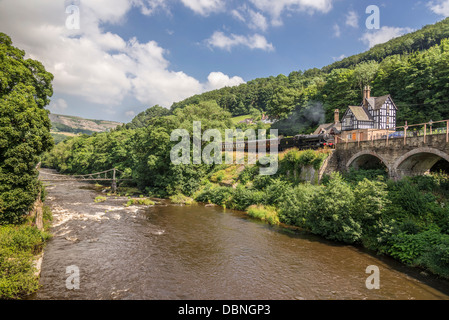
point(248, 174)
point(221, 196)
point(243, 198)
point(268, 214)
point(414, 249)
point(262, 182)
point(22, 238)
point(140, 202)
point(181, 199)
point(276, 191)
point(436, 259)
point(407, 200)
point(355, 176)
point(296, 204)
point(331, 214)
point(370, 203)
point(18, 245)
point(17, 274)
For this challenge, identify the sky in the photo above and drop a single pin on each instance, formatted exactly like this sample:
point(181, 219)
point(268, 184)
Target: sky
point(113, 59)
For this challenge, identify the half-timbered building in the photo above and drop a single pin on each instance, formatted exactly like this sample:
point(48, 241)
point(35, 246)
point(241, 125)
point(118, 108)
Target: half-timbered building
point(376, 115)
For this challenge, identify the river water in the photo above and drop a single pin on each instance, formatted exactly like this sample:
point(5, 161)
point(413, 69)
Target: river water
point(203, 253)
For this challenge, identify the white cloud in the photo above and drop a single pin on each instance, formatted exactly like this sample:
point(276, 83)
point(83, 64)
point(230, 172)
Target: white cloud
point(258, 21)
point(130, 114)
point(204, 7)
point(372, 38)
point(277, 8)
point(149, 7)
point(97, 66)
point(238, 15)
point(352, 19)
point(217, 80)
point(337, 31)
point(339, 58)
point(441, 7)
point(254, 20)
point(59, 105)
point(222, 41)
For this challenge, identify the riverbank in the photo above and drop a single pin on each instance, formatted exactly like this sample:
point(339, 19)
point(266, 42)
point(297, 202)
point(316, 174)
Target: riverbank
point(21, 255)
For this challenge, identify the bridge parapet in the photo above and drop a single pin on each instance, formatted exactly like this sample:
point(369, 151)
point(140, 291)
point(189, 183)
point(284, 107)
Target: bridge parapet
point(402, 156)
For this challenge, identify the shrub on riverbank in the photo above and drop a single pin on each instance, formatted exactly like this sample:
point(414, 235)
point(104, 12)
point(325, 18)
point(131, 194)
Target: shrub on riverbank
point(140, 202)
point(182, 199)
point(264, 213)
point(18, 247)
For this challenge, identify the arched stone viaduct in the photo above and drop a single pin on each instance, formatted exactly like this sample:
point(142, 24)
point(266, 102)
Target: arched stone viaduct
point(410, 157)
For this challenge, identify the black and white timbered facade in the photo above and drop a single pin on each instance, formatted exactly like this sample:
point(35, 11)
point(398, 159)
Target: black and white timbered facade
point(374, 113)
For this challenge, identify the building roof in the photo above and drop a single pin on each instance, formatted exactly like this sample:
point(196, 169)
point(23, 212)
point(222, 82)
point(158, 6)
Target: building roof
point(377, 102)
point(361, 114)
point(327, 127)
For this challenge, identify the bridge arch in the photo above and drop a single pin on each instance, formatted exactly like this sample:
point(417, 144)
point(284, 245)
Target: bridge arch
point(418, 162)
point(365, 159)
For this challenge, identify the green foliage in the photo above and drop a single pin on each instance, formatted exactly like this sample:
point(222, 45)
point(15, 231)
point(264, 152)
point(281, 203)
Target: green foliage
point(140, 202)
point(296, 205)
point(408, 201)
point(221, 196)
point(25, 88)
point(244, 198)
point(100, 199)
point(365, 73)
point(59, 127)
point(412, 68)
point(263, 213)
point(143, 154)
point(416, 41)
point(18, 245)
point(415, 248)
point(354, 176)
point(145, 118)
point(181, 199)
point(436, 257)
point(296, 159)
point(57, 138)
point(332, 212)
point(248, 174)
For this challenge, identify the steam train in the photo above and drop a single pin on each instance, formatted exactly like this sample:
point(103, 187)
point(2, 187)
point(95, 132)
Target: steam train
point(302, 142)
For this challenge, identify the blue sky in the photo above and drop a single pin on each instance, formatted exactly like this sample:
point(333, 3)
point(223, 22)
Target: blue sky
point(128, 55)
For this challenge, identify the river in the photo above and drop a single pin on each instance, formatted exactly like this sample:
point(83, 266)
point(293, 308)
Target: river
point(169, 252)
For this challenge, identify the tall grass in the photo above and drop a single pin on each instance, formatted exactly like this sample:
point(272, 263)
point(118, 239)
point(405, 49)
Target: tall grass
point(268, 214)
point(18, 247)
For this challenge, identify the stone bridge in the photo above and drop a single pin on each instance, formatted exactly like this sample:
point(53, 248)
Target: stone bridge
point(402, 157)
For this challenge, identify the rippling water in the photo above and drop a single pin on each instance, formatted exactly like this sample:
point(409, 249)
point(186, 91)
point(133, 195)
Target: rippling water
point(204, 253)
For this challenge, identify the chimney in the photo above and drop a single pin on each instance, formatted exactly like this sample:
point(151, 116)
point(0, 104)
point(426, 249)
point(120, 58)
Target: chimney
point(368, 92)
point(337, 116)
point(366, 95)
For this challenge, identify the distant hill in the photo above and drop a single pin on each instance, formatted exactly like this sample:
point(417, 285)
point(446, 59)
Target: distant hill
point(299, 87)
point(67, 126)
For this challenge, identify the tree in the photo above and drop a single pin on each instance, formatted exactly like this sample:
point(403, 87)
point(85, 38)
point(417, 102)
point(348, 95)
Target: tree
point(25, 89)
point(283, 102)
point(339, 92)
point(365, 73)
point(143, 119)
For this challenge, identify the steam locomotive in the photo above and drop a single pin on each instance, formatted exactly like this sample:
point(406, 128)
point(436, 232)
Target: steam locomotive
point(302, 142)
